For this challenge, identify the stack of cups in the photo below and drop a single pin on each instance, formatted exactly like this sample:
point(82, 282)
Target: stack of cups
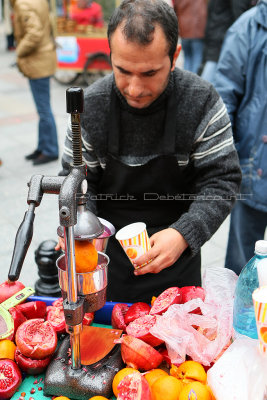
point(134, 240)
point(260, 306)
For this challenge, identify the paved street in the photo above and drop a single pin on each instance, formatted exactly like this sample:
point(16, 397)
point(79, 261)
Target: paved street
point(18, 137)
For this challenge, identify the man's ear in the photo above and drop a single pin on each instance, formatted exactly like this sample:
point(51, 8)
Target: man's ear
point(176, 55)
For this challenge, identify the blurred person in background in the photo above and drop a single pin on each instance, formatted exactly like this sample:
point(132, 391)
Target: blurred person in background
point(36, 59)
point(87, 12)
point(192, 17)
point(221, 15)
point(8, 25)
point(241, 80)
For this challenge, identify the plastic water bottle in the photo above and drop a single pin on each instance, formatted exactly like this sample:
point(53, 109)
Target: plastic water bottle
point(244, 316)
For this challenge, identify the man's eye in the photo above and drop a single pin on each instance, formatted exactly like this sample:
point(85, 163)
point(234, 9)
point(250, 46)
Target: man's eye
point(122, 71)
point(152, 73)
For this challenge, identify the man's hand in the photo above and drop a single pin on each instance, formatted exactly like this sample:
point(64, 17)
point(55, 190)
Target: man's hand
point(166, 247)
point(60, 244)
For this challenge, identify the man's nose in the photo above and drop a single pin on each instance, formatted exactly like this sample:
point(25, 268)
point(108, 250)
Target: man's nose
point(135, 87)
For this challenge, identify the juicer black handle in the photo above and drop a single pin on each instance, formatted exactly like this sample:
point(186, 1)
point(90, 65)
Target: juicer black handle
point(22, 243)
point(74, 100)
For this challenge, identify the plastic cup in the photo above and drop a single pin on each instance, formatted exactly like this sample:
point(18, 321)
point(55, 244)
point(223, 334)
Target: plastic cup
point(260, 306)
point(134, 240)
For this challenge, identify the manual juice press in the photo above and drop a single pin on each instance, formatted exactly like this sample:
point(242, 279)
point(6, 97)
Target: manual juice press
point(72, 372)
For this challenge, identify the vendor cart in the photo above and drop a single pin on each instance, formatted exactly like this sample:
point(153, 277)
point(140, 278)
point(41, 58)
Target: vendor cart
point(81, 39)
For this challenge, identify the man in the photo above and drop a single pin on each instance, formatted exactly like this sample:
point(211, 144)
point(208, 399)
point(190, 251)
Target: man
point(158, 146)
point(87, 12)
point(241, 79)
point(36, 59)
point(192, 17)
point(221, 15)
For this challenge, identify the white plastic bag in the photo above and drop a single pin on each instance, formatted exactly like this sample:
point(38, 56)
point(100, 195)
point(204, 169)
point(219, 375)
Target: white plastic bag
point(176, 325)
point(240, 373)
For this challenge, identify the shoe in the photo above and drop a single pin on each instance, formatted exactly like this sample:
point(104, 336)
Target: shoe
point(33, 155)
point(43, 159)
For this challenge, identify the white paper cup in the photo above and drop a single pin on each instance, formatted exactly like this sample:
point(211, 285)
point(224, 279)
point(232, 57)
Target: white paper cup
point(134, 240)
point(260, 306)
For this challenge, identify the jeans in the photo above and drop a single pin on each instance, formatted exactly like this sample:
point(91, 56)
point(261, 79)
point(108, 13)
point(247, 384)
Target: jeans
point(246, 227)
point(193, 49)
point(209, 71)
point(47, 137)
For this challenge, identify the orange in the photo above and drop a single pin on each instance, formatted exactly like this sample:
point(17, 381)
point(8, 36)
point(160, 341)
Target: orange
point(195, 391)
point(154, 374)
point(7, 349)
point(153, 299)
point(119, 376)
point(166, 387)
point(61, 398)
point(98, 398)
point(131, 253)
point(86, 256)
point(189, 371)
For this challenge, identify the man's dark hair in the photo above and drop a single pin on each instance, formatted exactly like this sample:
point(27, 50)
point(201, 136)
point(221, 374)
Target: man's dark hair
point(139, 18)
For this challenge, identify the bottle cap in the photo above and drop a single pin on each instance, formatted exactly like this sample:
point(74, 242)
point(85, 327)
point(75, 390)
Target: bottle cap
point(261, 247)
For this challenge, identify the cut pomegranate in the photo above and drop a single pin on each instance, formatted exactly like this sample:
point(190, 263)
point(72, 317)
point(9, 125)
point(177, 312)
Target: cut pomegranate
point(10, 378)
point(140, 328)
point(138, 354)
point(117, 316)
point(134, 387)
point(165, 300)
point(18, 319)
point(192, 292)
point(32, 309)
point(30, 365)
point(88, 318)
point(56, 317)
point(136, 310)
point(36, 338)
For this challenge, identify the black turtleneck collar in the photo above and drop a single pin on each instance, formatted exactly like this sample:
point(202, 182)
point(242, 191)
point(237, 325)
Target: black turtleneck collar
point(157, 104)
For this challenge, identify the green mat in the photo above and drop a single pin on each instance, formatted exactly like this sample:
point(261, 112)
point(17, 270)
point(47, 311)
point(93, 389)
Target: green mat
point(32, 386)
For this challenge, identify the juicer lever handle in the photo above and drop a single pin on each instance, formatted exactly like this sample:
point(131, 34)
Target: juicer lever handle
point(22, 243)
point(74, 100)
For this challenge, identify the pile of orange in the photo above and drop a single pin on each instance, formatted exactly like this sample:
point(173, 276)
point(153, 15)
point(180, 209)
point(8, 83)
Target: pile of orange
point(86, 256)
point(186, 382)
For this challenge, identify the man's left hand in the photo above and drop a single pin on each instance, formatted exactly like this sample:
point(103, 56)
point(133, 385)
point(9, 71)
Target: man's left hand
point(166, 247)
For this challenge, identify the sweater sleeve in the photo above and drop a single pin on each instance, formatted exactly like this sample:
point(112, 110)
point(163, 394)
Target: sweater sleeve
point(217, 178)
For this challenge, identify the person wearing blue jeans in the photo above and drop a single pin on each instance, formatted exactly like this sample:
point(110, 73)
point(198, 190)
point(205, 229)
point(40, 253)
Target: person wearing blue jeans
point(47, 137)
point(193, 50)
point(247, 225)
point(37, 60)
point(241, 80)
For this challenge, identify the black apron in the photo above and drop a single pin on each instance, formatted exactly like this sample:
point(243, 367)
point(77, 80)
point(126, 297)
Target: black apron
point(134, 194)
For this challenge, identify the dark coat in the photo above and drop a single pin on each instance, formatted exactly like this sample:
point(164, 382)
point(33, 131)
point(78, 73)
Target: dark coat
point(221, 15)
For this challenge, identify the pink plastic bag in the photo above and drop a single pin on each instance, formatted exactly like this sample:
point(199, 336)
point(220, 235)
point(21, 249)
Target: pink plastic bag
point(175, 326)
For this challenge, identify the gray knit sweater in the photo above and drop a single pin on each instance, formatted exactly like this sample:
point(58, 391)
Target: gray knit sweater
point(201, 117)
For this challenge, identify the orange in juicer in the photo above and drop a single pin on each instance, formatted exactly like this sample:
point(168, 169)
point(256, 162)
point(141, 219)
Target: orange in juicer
point(86, 256)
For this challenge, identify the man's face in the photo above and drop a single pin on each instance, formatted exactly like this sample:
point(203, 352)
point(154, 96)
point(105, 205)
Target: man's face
point(141, 72)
